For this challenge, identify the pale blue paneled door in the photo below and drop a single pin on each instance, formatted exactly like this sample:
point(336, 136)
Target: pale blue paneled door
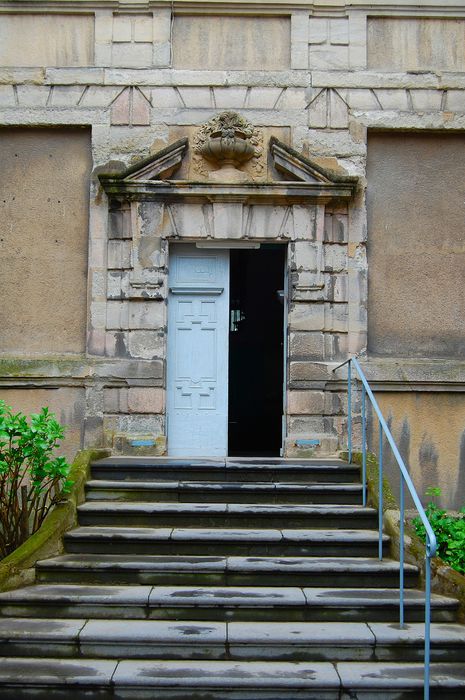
point(197, 362)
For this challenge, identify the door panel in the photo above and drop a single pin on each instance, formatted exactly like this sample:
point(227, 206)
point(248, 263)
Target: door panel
point(197, 365)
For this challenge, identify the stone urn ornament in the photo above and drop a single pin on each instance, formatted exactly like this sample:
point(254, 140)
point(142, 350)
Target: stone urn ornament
point(228, 140)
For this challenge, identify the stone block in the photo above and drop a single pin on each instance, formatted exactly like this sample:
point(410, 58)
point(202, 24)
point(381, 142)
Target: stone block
point(74, 76)
point(336, 228)
point(99, 96)
point(146, 400)
point(117, 315)
point(299, 40)
point(120, 223)
point(305, 371)
point(197, 97)
point(337, 287)
point(46, 39)
point(121, 108)
point(115, 400)
point(119, 254)
point(18, 76)
point(227, 219)
point(143, 28)
point(147, 345)
point(65, 96)
point(32, 95)
point(263, 97)
point(293, 98)
point(339, 116)
point(305, 316)
point(161, 54)
point(427, 100)
point(162, 25)
point(306, 346)
point(318, 30)
point(132, 55)
point(318, 111)
point(306, 402)
point(334, 403)
point(336, 318)
point(326, 57)
point(306, 255)
point(230, 97)
point(357, 40)
point(373, 79)
point(393, 99)
point(335, 258)
point(204, 42)
point(336, 346)
point(163, 97)
point(339, 31)
point(335, 143)
point(306, 426)
point(146, 315)
point(7, 96)
point(360, 99)
point(140, 109)
point(455, 100)
point(304, 219)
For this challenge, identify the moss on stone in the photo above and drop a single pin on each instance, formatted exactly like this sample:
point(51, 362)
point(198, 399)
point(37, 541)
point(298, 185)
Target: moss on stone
point(17, 568)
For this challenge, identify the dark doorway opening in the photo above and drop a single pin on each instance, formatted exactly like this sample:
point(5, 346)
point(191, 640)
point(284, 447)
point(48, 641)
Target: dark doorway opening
point(256, 341)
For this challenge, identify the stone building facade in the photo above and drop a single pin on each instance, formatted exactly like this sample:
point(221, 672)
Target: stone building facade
point(355, 114)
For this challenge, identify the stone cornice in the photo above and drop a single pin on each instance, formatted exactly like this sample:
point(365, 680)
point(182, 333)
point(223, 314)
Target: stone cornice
point(374, 7)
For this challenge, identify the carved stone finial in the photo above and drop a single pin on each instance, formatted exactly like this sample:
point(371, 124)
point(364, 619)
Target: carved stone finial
point(227, 140)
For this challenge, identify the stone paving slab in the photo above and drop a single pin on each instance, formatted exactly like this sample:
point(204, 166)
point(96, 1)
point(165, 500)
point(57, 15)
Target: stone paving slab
point(398, 676)
point(64, 594)
point(320, 633)
point(227, 674)
point(151, 631)
point(354, 597)
point(24, 671)
point(14, 628)
point(414, 633)
point(246, 596)
point(310, 565)
point(227, 534)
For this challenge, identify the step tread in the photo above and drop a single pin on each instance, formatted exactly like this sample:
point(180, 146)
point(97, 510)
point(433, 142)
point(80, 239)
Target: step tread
point(230, 462)
point(126, 484)
point(90, 532)
point(227, 674)
point(233, 632)
point(151, 562)
point(239, 509)
point(265, 596)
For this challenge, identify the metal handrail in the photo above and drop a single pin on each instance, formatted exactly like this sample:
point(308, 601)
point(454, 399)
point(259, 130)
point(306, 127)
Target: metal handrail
point(431, 543)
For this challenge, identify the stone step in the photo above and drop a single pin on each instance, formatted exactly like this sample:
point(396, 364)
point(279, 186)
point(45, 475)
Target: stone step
point(222, 492)
point(223, 541)
point(223, 571)
point(252, 641)
point(225, 515)
point(204, 603)
point(66, 679)
point(266, 470)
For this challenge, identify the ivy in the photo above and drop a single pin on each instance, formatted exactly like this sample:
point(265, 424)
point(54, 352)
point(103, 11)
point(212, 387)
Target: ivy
point(449, 530)
point(32, 480)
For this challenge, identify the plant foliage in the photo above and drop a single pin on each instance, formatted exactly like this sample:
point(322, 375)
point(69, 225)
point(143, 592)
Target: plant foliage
point(449, 530)
point(31, 479)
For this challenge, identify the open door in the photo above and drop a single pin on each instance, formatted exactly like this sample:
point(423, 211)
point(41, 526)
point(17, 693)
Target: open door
point(197, 359)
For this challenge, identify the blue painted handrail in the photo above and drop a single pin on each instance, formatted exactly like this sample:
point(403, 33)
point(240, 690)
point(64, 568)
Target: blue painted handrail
point(431, 544)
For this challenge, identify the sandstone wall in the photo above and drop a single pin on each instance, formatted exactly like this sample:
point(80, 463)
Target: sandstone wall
point(328, 80)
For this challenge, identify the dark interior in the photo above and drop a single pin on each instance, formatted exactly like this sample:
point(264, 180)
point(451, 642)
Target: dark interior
point(256, 351)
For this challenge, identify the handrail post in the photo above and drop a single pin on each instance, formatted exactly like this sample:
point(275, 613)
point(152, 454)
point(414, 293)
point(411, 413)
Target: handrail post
point(380, 494)
point(349, 409)
point(401, 553)
point(364, 447)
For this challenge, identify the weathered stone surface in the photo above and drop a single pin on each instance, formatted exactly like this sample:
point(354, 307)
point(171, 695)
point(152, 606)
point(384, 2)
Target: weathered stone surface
point(307, 346)
point(306, 402)
point(416, 44)
point(204, 42)
point(46, 40)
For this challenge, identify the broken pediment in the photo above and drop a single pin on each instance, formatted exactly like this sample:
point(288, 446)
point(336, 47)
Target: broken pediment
point(303, 179)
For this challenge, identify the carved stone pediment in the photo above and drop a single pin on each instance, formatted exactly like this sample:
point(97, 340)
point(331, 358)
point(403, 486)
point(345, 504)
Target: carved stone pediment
point(304, 180)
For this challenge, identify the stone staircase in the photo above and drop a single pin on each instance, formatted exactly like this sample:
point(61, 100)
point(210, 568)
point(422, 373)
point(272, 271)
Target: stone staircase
point(202, 580)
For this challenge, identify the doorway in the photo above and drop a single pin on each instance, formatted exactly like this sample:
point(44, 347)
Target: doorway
point(256, 351)
point(225, 359)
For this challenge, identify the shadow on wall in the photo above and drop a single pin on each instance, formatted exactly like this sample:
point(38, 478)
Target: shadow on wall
point(429, 430)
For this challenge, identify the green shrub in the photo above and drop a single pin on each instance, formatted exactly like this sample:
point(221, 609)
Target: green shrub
point(449, 530)
point(31, 479)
